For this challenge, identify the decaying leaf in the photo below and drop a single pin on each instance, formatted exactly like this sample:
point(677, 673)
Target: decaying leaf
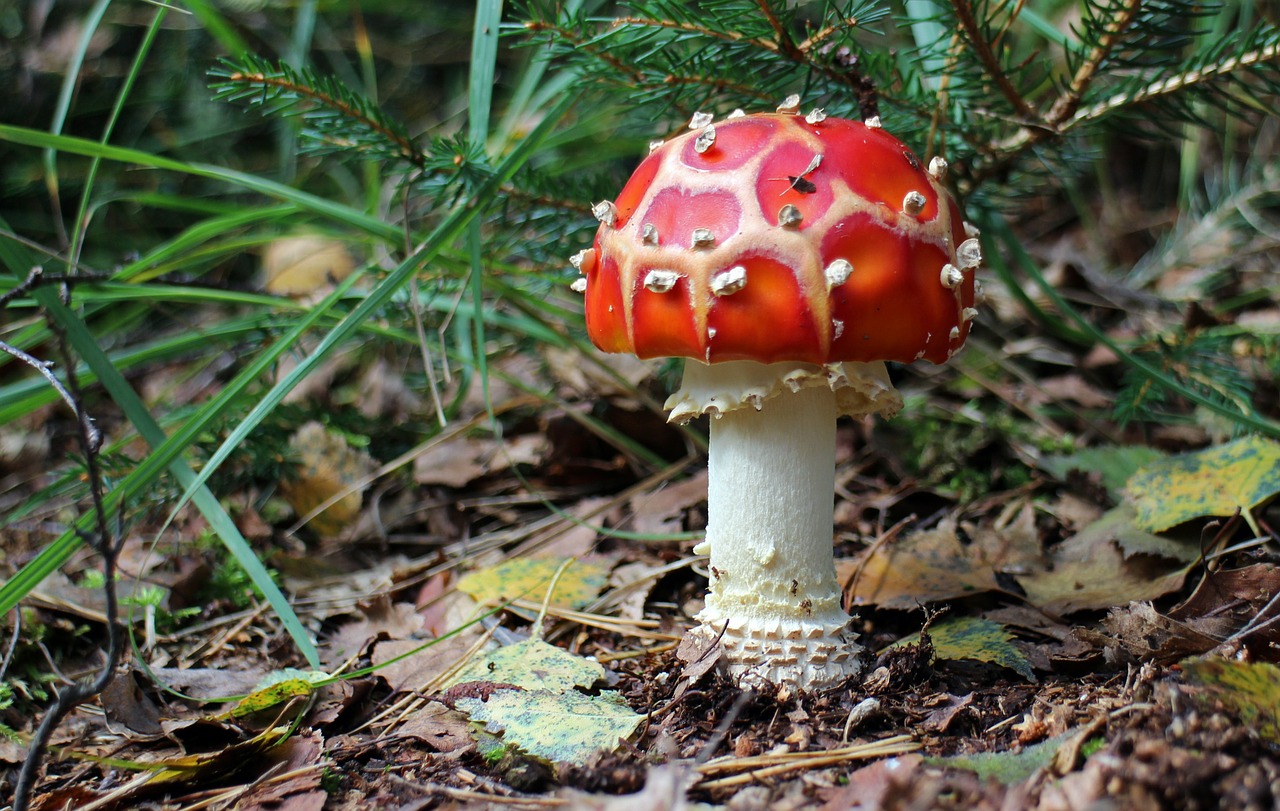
point(979, 639)
point(1251, 691)
point(326, 466)
point(1008, 767)
point(562, 727)
point(463, 459)
point(299, 266)
point(1147, 635)
point(928, 566)
point(1228, 600)
point(1110, 562)
point(529, 579)
point(533, 665)
point(276, 689)
point(1215, 482)
point(1112, 464)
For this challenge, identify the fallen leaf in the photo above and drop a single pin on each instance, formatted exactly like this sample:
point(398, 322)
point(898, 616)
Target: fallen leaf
point(325, 465)
point(441, 728)
point(464, 459)
point(1215, 482)
point(1008, 767)
point(941, 716)
point(532, 665)
point(299, 787)
point(1108, 563)
point(662, 511)
point(1250, 690)
point(529, 578)
point(299, 266)
point(1113, 464)
point(277, 688)
point(947, 562)
point(381, 618)
point(1226, 600)
point(421, 663)
point(972, 638)
point(561, 727)
point(869, 786)
point(1147, 635)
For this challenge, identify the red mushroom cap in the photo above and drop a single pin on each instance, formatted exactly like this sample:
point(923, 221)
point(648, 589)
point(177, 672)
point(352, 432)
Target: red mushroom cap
point(781, 237)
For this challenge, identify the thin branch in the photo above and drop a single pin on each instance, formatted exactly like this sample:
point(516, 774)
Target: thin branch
point(785, 44)
point(1173, 84)
point(982, 49)
point(408, 149)
point(45, 367)
point(1067, 104)
point(108, 547)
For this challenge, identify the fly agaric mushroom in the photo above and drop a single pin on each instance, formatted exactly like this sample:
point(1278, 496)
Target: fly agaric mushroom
point(787, 257)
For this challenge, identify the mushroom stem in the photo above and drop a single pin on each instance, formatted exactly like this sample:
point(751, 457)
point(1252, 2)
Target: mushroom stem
point(774, 600)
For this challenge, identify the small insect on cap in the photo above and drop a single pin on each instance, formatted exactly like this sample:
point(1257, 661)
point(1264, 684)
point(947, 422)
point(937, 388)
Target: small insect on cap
point(779, 237)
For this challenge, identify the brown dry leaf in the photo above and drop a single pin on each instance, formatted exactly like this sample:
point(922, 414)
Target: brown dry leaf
point(300, 758)
point(1074, 387)
point(381, 616)
point(1109, 563)
point(1147, 635)
point(591, 378)
point(945, 709)
point(1227, 599)
point(302, 266)
point(869, 786)
point(424, 665)
point(463, 459)
point(440, 728)
point(326, 465)
point(661, 511)
point(937, 564)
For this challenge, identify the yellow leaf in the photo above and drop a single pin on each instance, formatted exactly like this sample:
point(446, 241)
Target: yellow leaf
point(532, 665)
point(562, 727)
point(978, 639)
point(326, 466)
point(276, 689)
point(1218, 481)
point(1250, 690)
point(299, 266)
point(529, 578)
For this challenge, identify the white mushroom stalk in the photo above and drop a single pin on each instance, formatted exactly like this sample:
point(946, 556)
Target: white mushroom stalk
point(774, 603)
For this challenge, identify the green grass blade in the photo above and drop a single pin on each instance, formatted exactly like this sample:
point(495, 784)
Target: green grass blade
point(19, 262)
point(328, 209)
point(445, 233)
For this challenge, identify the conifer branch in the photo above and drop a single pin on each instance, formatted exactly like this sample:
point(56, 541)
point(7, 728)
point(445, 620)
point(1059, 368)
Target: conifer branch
point(341, 118)
point(1180, 82)
point(982, 49)
point(784, 41)
point(1069, 102)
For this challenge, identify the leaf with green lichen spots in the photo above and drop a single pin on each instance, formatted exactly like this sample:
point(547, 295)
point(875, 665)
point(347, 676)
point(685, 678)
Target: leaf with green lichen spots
point(978, 639)
point(532, 665)
point(1007, 767)
point(1114, 464)
point(561, 727)
point(1251, 691)
point(1215, 482)
point(529, 579)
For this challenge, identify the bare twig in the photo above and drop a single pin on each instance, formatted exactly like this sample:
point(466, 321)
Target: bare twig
point(982, 49)
point(45, 367)
point(107, 546)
